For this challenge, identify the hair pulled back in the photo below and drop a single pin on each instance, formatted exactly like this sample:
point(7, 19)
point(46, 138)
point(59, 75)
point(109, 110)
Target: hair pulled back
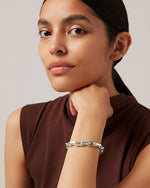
point(113, 13)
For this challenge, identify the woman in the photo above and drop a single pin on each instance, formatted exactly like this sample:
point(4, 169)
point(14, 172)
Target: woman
point(81, 41)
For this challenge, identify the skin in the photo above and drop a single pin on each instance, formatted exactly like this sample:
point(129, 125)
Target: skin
point(77, 49)
point(89, 82)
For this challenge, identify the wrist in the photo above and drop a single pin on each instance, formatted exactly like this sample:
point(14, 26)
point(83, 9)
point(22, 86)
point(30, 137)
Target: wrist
point(93, 113)
point(88, 128)
point(85, 143)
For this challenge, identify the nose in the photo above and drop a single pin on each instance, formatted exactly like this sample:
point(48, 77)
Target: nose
point(57, 46)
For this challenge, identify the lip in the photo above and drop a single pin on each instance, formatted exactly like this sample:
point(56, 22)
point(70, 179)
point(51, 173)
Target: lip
point(60, 67)
point(59, 64)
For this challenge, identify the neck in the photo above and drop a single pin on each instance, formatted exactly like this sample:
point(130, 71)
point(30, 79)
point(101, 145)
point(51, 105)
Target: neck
point(109, 84)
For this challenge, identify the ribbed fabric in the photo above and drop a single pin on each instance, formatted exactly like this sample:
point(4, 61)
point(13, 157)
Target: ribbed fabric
point(46, 127)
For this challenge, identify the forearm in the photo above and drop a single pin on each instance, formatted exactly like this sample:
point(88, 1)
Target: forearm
point(80, 165)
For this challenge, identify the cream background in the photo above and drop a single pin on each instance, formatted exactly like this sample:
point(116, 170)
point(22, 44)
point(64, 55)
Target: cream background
point(22, 76)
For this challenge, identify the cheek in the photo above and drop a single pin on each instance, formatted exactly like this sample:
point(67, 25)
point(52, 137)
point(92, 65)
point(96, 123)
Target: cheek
point(40, 49)
point(42, 52)
point(89, 52)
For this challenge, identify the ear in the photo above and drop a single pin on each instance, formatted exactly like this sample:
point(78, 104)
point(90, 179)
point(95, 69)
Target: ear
point(120, 46)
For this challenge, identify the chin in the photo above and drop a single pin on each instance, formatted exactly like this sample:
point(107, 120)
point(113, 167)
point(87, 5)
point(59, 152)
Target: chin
point(70, 87)
point(67, 85)
point(61, 87)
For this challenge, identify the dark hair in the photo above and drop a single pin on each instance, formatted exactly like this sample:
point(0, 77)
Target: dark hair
point(113, 13)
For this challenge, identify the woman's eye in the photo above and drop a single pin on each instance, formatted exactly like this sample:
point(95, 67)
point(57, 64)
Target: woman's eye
point(44, 33)
point(78, 31)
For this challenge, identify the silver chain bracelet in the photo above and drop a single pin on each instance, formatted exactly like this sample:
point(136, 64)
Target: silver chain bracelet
point(85, 143)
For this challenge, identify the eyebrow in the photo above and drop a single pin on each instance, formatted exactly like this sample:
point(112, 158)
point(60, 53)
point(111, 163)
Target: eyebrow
point(66, 20)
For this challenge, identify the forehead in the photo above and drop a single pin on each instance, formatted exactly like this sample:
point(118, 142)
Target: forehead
point(53, 9)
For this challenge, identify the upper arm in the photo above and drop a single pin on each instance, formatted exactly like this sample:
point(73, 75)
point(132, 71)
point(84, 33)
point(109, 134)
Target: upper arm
point(139, 177)
point(16, 174)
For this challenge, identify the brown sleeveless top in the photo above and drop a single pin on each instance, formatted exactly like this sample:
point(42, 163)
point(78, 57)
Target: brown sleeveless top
point(46, 127)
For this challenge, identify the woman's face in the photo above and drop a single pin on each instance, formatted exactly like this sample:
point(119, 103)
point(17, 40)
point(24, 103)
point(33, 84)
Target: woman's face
point(73, 45)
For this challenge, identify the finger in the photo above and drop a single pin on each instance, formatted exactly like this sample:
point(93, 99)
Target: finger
point(72, 108)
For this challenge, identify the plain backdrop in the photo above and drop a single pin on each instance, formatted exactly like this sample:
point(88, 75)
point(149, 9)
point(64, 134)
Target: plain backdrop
point(22, 76)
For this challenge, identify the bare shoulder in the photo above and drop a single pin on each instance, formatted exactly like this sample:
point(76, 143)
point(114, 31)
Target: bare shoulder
point(14, 154)
point(139, 176)
point(13, 121)
point(13, 134)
